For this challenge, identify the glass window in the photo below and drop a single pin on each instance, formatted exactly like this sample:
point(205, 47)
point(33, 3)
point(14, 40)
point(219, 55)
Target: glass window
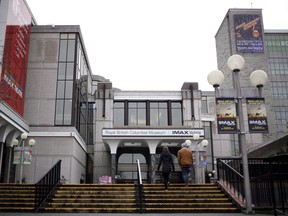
point(163, 117)
point(176, 113)
point(71, 50)
point(61, 71)
point(160, 113)
point(67, 112)
point(59, 112)
point(176, 117)
point(63, 50)
point(132, 116)
point(118, 117)
point(70, 69)
point(68, 89)
point(154, 117)
point(136, 113)
point(60, 89)
point(204, 107)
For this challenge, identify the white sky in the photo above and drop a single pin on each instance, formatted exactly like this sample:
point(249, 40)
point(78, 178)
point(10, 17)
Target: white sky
point(152, 44)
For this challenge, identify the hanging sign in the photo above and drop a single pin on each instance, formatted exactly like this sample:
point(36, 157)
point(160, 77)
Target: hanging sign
point(27, 155)
point(226, 115)
point(257, 115)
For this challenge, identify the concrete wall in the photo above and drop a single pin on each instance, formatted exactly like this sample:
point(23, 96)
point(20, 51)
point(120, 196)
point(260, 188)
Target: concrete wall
point(52, 143)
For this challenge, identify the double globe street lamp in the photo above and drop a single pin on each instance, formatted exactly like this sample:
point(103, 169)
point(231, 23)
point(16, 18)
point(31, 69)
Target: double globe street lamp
point(258, 78)
point(31, 143)
point(197, 148)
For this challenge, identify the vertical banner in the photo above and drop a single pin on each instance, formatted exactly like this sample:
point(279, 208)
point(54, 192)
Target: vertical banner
point(27, 155)
point(226, 115)
point(15, 57)
point(257, 115)
point(248, 33)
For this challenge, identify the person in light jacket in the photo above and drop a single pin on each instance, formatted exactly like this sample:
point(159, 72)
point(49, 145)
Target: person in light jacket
point(166, 161)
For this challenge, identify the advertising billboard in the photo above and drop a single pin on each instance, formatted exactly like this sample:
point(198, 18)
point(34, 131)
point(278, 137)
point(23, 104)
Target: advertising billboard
point(248, 33)
point(15, 56)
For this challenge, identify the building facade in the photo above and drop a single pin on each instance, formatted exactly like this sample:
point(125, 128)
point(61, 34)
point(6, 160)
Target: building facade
point(98, 130)
point(242, 32)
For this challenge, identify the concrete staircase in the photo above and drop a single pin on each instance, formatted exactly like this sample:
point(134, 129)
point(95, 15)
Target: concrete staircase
point(119, 198)
point(192, 198)
point(17, 197)
point(93, 198)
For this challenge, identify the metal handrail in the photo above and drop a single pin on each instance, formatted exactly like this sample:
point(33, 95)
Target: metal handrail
point(46, 185)
point(140, 186)
point(231, 168)
point(268, 179)
point(232, 178)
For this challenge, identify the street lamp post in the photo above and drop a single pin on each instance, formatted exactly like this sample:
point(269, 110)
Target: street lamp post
point(258, 78)
point(14, 142)
point(199, 171)
point(31, 142)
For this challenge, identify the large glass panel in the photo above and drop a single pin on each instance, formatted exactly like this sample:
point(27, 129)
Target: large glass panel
point(163, 117)
point(176, 117)
point(141, 116)
point(204, 108)
point(118, 114)
point(154, 117)
point(63, 50)
point(132, 117)
point(176, 113)
point(68, 112)
point(71, 50)
point(118, 117)
point(163, 114)
point(69, 89)
point(70, 69)
point(59, 112)
point(61, 71)
point(132, 113)
point(60, 89)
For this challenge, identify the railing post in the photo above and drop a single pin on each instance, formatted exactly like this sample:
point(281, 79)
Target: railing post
point(140, 185)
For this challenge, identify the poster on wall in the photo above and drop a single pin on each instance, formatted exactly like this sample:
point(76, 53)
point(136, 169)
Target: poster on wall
point(15, 56)
point(248, 33)
point(257, 115)
point(226, 115)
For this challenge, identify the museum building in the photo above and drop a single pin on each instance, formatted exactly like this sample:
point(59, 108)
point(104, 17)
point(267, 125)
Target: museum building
point(50, 94)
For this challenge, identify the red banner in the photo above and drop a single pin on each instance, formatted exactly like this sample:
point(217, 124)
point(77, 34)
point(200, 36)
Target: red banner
point(15, 57)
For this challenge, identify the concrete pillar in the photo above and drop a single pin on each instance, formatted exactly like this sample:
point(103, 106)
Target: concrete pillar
point(113, 167)
point(152, 169)
point(152, 148)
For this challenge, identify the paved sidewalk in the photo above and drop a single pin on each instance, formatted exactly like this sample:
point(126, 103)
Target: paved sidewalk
point(127, 214)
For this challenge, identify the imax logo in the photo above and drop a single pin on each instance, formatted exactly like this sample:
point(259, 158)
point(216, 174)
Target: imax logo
point(181, 132)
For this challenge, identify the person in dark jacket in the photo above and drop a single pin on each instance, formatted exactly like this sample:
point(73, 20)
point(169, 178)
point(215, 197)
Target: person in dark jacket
point(166, 161)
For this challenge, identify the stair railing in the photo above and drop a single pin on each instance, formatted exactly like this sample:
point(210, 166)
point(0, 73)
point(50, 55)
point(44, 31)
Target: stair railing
point(46, 185)
point(268, 179)
point(229, 177)
point(139, 186)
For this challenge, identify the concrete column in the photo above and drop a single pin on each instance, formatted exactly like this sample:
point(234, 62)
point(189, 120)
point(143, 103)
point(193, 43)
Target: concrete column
point(152, 148)
point(113, 167)
point(152, 169)
point(113, 144)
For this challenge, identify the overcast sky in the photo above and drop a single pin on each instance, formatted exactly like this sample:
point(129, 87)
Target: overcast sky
point(152, 44)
